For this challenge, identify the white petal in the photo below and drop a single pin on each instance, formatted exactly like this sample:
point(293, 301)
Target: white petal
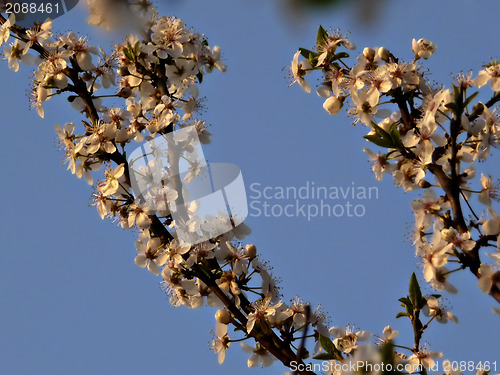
point(141, 261)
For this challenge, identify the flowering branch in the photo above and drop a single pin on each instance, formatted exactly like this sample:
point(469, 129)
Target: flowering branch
point(156, 75)
point(416, 149)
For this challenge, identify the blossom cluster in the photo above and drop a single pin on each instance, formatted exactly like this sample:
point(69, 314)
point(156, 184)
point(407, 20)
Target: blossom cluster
point(432, 138)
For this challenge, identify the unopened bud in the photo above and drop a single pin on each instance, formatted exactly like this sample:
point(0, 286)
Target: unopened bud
point(251, 251)
point(424, 184)
point(125, 92)
point(223, 316)
point(478, 109)
point(87, 77)
point(383, 54)
point(369, 54)
point(123, 71)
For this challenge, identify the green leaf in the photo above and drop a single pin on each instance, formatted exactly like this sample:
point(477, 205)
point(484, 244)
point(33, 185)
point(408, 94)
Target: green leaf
point(324, 356)
point(340, 55)
point(401, 314)
point(307, 53)
point(383, 138)
point(453, 107)
point(128, 54)
point(379, 141)
point(327, 344)
point(395, 136)
point(457, 93)
point(415, 293)
point(406, 302)
point(330, 348)
point(321, 37)
point(470, 99)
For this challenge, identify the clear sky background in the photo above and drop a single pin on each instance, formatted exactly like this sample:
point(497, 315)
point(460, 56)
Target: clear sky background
point(74, 302)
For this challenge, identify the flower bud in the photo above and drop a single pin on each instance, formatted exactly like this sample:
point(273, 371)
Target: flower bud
point(423, 48)
point(369, 54)
point(424, 184)
point(333, 105)
point(478, 109)
point(251, 251)
point(383, 54)
point(123, 71)
point(125, 92)
point(87, 77)
point(223, 316)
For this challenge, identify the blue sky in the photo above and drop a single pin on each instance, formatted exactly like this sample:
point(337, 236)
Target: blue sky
point(74, 302)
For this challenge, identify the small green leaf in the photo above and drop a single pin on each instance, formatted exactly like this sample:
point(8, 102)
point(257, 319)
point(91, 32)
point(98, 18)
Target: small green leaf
point(379, 141)
point(321, 37)
point(470, 99)
point(327, 344)
point(453, 107)
point(406, 302)
point(128, 54)
point(415, 293)
point(395, 136)
point(340, 55)
point(401, 314)
point(310, 56)
point(324, 356)
point(330, 348)
point(382, 138)
point(307, 53)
